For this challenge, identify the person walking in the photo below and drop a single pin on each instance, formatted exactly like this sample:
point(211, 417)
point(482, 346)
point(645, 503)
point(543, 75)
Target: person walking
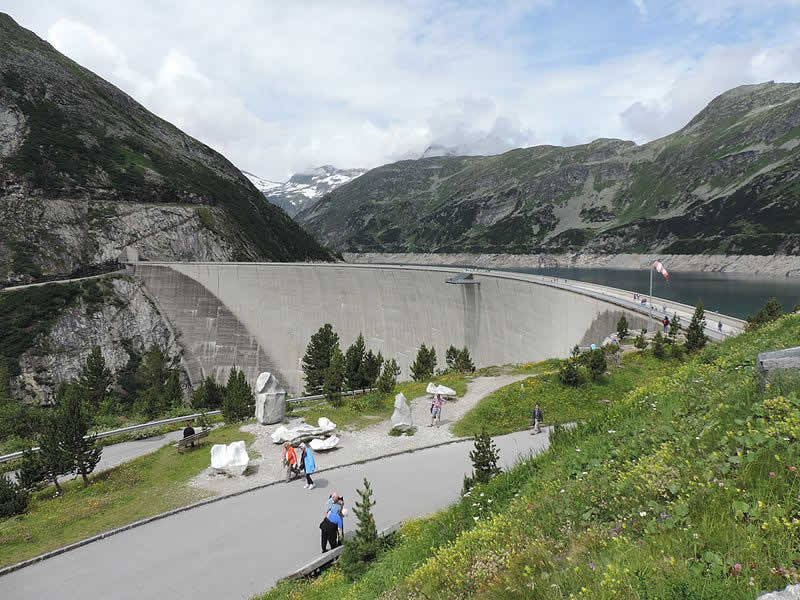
point(666, 323)
point(332, 527)
point(537, 419)
point(719, 326)
point(289, 457)
point(436, 410)
point(307, 464)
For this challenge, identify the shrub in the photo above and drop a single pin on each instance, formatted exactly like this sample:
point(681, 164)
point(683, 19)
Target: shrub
point(641, 342)
point(569, 374)
point(388, 378)
point(597, 363)
point(13, 498)
point(622, 328)
point(484, 457)
point(317, 358)
point(334, 379)
point(425, 363)
point(238, 398)
point(658, 345)
point(363, 548)
point(695, 335)
point(771, 311)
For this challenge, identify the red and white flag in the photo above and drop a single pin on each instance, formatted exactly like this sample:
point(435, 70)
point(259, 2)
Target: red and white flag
point(660, 268)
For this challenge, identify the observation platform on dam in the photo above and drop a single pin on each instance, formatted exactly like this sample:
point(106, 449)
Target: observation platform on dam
point(261, 316)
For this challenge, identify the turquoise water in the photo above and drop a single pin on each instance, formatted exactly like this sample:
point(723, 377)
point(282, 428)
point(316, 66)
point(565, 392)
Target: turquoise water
point(732, 294)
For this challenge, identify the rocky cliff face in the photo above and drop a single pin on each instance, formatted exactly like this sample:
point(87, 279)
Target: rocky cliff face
point(123, 322)
point(727, 183)
point(85, 170)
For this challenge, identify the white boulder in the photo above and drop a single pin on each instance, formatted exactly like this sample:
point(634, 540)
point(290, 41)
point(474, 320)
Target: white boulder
point(401, 417)
point(328, 443)
point(231, 459)
point(442, 390)
point(270, 400)
point(303, 432)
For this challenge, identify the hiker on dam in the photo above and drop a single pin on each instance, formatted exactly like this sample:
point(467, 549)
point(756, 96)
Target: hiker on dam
point(536, 420)
point(289, 459)
point(307, 464)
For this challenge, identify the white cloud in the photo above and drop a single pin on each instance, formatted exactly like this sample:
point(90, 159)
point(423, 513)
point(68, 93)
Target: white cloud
point(279, 87)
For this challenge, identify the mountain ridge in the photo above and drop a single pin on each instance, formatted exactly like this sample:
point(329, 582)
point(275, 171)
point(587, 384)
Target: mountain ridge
point(727, 182)
point(85, 170)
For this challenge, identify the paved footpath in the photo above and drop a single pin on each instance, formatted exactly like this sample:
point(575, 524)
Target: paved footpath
point(238, 547)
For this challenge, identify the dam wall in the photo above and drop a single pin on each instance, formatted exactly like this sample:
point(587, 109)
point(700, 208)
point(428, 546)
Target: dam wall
point(260, 317)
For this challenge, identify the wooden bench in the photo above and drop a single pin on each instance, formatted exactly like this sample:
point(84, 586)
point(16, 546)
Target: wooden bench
point(184, 443)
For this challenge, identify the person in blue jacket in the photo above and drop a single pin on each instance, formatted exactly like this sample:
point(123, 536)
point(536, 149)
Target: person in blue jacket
point(307, 464)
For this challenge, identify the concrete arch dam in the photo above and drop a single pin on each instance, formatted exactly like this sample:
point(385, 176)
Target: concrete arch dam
point(260, 316)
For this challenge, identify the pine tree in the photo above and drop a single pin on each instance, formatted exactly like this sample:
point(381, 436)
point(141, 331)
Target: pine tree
point(425, 363)
point(372, 368)
point(32, 470)
point(354, 364)
point(464, 362)
point(450, 358)
point(622, 328)
point(569, 374)
point(695, 334)
point(485, 457)
point(388, 378)
point(84, 453)
point(641, 342)
point(334, 379)
point(13, 497)
point(151, 377)
point(317, 358)
point(56, 461)
point(597, 363)
point(771, 311)
point(208, 394)
point(5, 383)
point(96, 380)
point(674, 329)
point(238, 397)
point(364, 547)
point(658, 345)
point(173, 391)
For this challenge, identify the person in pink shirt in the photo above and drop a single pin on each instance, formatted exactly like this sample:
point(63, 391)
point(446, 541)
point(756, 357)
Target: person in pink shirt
point(436, 410)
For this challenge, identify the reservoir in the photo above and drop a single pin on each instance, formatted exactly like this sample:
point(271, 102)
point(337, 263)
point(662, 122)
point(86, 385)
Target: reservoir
point(733, 294)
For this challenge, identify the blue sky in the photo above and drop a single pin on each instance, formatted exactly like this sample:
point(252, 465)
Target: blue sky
point(282, 86)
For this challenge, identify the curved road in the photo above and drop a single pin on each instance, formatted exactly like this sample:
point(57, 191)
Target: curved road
point(240, 546)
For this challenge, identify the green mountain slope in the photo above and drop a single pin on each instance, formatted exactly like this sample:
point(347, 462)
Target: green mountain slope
point(727, 182)
point(85, 170)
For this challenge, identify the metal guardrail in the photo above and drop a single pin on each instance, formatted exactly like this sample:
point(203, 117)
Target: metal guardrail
point(130, 428)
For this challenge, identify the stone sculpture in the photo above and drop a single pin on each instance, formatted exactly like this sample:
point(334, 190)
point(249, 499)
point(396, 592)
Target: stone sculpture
point(270, 400)
point(401, 417)
point(442, 390)
point(327, 444)
point(231, 459)
point(303, 432)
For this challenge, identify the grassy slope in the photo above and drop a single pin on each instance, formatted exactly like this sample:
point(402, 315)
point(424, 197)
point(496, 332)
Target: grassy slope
point(140, 488)
point(687, 489)
point(362, 411)
point(509, 409)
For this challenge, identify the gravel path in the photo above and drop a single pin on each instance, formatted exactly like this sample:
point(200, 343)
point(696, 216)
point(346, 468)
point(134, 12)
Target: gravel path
point(371, 442)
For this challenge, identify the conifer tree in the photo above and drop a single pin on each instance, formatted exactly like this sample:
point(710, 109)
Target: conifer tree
point(485, 457)
point(317, 358)
point(83, 452)
point(238, 397)
point(5, 382)
point(597, 363)
point(32, 470)
point(372, 368)
point(13, 497)
point(364, 547)
point(151, 377)
point(695, 334)
point(569, 374)
point(641, 342)
point(674, 329)
point(209, 394)
point(450, 357)
point(354, 364)
point(622, 328)
point(96, 380)
point(173, 391)
point(334, 379)
point(464, 362)
point(388, 378)
point(425, 363)
point(56, 461)
point(658, 345)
